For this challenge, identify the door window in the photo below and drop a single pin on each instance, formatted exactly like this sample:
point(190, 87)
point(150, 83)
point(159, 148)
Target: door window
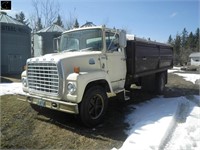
point(112, 41)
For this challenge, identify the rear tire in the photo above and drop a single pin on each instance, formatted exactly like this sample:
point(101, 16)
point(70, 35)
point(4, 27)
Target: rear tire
point(148, 83)
point(161, 81)
point(93, 106)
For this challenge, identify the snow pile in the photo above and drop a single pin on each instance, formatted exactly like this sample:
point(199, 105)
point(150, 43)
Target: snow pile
point(152, 123)
point(149, 123)
point(187, 135)
point(189, 77)
point(10, 88)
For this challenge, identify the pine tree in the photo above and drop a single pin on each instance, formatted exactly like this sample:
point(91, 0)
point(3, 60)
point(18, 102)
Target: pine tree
point(191, 41)
point(21, 18)
point(196, 38)
point(39, 25)
point(184, 51)
point(59, 21)
point(170, 40)
point(184, 38)
point(177, 48)
point(184, 45)
point(76, 24)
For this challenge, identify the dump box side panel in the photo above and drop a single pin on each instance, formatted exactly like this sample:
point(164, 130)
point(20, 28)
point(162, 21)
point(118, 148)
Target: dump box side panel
point(130, 57)
point(166, 57)
point(145, 57)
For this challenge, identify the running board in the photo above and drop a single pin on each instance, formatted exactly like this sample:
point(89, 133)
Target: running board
point(126, 98)
point(121, 93)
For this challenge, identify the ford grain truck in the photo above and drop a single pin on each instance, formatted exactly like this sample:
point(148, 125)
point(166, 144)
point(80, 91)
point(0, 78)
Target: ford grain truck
point(94, 63)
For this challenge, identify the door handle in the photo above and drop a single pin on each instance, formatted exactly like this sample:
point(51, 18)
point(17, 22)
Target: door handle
point(123, 59)
point(144, 58)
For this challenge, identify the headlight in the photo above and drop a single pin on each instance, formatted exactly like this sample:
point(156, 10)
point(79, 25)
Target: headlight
point(24, 81)
point(71, 87)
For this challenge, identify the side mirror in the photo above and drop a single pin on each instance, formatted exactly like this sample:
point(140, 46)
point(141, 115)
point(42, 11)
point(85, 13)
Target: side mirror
point(56, 44)
point(122, 39)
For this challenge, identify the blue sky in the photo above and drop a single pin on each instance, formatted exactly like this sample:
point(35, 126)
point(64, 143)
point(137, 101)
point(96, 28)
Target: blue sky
point(156, 19)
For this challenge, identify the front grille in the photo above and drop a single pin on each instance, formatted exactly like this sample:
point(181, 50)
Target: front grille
point(43, 77)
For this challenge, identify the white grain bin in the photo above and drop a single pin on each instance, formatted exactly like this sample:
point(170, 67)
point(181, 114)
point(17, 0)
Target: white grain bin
point(44, 39)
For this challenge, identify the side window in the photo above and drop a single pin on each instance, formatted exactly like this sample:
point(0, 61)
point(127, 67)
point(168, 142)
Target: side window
point(112, 41)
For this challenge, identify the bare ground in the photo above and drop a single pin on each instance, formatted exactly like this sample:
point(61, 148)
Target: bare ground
point(24, 128)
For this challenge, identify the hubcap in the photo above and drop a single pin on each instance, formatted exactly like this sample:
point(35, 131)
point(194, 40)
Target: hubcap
point(96, 106)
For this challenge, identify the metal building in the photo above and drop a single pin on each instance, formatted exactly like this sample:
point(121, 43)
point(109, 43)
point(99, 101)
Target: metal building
point(195, 59)
point(15, 44)
point(44, 40)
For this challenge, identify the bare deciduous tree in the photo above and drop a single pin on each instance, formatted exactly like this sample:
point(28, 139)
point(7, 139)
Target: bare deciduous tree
point(71, 20)
point(46, 10)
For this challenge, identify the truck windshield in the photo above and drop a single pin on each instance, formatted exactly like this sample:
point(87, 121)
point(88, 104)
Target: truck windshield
point(82, 40)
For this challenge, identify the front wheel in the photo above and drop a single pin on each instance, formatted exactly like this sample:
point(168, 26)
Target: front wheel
point(93, 106)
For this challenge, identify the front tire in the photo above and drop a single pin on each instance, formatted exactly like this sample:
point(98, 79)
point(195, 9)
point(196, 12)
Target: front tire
point(93, 106)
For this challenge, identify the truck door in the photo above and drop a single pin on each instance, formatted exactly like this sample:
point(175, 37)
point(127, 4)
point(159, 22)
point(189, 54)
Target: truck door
point(116, 61)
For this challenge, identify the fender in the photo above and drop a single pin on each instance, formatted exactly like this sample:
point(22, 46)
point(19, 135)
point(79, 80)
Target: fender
point(82, 80)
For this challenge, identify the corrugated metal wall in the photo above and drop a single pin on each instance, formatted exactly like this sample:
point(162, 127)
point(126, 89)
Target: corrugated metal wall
point(15, 47)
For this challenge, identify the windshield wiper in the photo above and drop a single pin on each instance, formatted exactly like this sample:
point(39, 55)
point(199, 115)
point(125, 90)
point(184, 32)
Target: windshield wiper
point(70, 50)
point(87, 49)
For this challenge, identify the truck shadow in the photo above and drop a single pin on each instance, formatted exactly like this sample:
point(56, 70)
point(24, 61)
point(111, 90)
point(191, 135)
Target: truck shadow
point(113, 126)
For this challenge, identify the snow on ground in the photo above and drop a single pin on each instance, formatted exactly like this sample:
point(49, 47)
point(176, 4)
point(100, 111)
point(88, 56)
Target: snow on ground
point(189, 77)
point(153, 122)
point(174, 69)
point(10, 88)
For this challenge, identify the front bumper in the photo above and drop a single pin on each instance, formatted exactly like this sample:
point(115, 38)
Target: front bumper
point(67, 107)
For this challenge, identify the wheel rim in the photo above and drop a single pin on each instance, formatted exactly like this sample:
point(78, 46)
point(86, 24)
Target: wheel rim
point(96, 106)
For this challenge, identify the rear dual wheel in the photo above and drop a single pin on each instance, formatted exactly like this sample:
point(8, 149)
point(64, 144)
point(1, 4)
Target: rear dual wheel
point(161, 81)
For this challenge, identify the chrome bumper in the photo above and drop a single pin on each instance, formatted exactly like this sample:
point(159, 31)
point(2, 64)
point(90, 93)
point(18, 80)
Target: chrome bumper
point(50, 103)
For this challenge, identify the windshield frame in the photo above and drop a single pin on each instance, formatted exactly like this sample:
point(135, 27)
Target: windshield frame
point(82, 40)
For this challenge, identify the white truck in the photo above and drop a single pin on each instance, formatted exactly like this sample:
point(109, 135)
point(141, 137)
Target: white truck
point(94, 63)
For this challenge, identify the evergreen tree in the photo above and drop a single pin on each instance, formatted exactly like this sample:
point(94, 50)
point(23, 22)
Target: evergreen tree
point(196, 38)
point(177, 48)
point(170, 40)
point(21, 18)
point(59, 21)
point(184, 45)
point(191, 41)
point(39, 25)
point(184, 38)
point(76, 24)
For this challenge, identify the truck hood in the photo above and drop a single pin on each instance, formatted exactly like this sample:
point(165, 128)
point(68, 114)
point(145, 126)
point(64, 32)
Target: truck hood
point(63, 55)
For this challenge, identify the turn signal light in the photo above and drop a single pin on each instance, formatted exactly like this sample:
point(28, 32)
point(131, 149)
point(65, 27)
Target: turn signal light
point(76, 69)
point(25, 67)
